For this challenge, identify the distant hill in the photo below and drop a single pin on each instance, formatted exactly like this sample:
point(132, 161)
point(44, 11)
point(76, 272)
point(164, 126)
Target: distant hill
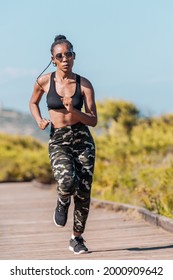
point(13, 122)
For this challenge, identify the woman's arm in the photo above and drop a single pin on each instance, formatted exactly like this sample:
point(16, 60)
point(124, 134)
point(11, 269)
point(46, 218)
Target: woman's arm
point(34, 105)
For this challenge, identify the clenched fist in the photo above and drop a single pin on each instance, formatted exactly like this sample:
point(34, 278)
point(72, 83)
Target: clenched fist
point(43, 124)
point(67, 102)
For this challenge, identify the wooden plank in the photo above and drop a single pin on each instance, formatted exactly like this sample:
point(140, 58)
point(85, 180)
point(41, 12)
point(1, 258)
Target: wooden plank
point(27, 230)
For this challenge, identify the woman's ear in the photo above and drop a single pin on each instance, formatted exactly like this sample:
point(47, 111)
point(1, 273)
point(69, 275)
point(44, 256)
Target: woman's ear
point(54, 64)
point(74, 55)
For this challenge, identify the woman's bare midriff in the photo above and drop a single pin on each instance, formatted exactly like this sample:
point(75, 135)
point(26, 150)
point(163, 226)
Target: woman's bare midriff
point(61, 118)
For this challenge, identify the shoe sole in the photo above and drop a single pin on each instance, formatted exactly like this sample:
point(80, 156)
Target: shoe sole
point(60, 226)
point(77, 253)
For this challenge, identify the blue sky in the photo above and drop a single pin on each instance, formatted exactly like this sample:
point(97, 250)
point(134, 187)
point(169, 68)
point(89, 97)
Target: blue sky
point(123, 47)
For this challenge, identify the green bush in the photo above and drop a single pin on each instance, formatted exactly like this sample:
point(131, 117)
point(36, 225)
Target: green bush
point(23, 159)
point(135, 168)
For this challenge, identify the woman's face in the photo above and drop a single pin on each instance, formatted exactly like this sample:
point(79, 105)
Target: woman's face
point(63, 57)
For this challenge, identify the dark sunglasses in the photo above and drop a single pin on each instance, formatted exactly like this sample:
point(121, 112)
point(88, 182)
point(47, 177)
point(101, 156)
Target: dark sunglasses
point(59, 56)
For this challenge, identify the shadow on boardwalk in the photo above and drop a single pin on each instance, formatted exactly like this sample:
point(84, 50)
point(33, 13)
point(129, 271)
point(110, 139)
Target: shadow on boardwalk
point(27, 230)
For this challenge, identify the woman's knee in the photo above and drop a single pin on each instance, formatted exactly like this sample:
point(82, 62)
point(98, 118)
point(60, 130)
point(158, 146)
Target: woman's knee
point(66, 186)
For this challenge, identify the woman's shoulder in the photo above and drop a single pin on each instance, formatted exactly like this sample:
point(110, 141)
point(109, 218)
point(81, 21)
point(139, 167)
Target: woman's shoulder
point(85, 82)
point(86, 86)
point(43, 81)
point(45, 78)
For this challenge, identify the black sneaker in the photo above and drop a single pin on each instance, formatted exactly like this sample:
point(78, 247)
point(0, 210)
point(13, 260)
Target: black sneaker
point(77, 245)
point(61, 213)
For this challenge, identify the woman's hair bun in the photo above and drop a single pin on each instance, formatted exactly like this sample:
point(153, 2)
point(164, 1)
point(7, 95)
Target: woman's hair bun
point(59, 37)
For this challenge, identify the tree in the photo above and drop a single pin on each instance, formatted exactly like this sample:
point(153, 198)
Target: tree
point(123, 112)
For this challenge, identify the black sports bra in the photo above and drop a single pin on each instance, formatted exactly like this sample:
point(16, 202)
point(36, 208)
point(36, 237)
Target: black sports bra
point(54, 99)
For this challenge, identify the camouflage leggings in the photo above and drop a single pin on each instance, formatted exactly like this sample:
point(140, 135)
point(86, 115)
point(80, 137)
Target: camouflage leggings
point(72, 157)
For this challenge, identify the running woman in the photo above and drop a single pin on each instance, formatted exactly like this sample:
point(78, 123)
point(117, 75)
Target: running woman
point(71, 105)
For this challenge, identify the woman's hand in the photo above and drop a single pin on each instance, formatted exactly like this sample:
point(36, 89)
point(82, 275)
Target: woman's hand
point(43, 123)
point(67, 102)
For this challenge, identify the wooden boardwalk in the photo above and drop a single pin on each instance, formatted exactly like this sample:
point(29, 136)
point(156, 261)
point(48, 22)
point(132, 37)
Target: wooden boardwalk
point(28, 232)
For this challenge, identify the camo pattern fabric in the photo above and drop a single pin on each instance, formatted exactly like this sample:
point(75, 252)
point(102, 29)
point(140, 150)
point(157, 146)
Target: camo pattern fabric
point(72, 157)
